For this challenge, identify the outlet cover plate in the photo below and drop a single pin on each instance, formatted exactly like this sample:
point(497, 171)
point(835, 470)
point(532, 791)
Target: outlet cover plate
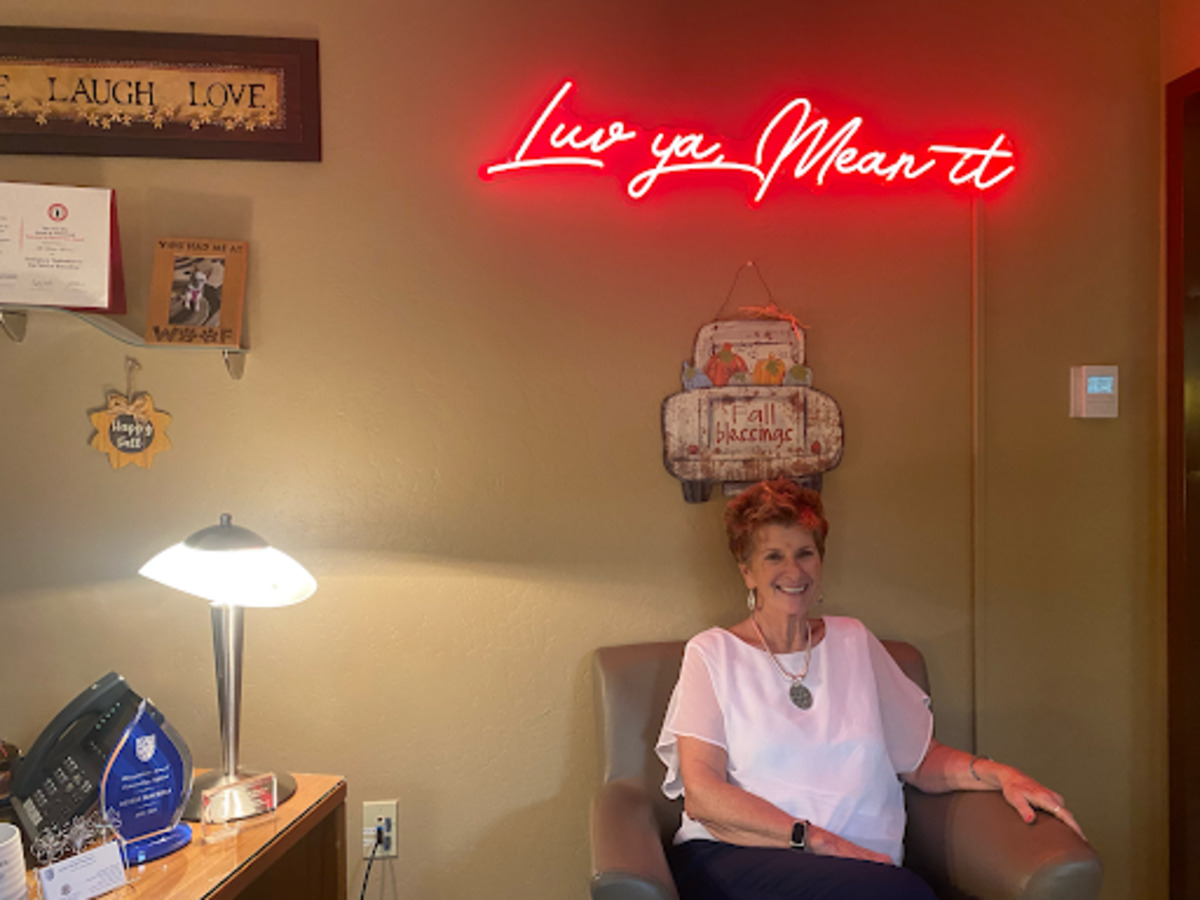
point(384, 812)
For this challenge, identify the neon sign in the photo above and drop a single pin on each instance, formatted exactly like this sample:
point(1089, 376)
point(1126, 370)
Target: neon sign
point(797, 141)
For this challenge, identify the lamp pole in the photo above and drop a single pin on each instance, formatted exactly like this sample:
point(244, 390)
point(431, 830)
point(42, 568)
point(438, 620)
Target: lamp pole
point(227, 652)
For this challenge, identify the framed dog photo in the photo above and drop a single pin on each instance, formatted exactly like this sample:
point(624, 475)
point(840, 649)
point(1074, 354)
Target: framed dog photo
point(197, 291)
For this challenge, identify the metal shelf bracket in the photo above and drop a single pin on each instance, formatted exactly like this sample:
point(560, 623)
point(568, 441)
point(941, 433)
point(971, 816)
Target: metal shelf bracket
point(13, 322)
point(235, 363)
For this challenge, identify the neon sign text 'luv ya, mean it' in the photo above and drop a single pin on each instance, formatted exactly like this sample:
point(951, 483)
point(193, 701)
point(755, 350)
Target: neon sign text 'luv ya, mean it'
point(796, 141)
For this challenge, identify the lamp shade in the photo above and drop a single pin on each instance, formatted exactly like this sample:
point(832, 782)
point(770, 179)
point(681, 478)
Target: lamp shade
point(231, 566)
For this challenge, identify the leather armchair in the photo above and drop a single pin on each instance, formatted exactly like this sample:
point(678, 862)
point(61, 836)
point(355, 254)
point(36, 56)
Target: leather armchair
point(966, 844)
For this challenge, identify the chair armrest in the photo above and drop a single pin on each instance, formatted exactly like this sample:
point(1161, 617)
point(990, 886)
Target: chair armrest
point(973, 844)
point(628, 861)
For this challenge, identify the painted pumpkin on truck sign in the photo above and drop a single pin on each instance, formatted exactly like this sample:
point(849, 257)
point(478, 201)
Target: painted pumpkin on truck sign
point(748, 411)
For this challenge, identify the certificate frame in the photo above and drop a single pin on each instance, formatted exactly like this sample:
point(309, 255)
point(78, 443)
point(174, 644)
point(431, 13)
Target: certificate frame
point(60, 247)
point(87, 92)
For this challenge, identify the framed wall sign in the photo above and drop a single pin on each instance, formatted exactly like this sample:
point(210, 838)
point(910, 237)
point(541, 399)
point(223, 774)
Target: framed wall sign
point(135, 93)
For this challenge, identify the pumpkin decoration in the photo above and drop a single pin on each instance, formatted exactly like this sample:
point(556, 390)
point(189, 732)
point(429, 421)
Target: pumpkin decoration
point(694, 379)
point(770, 370)
point(798, 375)
point(723, 365)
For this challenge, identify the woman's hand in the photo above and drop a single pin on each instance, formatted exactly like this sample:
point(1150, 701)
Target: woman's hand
point(1026, 795)
point(826, 843)
point(946, 769)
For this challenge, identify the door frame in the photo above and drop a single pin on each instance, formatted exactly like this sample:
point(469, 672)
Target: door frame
point(1183, 659)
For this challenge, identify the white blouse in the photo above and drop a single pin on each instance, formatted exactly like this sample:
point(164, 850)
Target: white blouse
point(836, 763)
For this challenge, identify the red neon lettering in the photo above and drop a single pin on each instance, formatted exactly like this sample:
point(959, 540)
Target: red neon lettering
point(813, 133)
point(795, 139)
point(519, 161)
point(683, 147)
point(595, 141)
point(976, 175)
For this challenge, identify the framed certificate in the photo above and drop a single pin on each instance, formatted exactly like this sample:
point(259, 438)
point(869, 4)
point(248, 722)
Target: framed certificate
point(59, 246)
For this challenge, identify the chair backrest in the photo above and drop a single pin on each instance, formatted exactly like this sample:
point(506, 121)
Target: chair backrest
point(632, 686)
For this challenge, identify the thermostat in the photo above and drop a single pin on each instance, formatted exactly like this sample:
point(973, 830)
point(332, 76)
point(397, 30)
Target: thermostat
point(1094, 392)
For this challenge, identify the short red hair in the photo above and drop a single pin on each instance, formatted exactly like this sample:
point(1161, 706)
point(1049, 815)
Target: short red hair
point(778, 502)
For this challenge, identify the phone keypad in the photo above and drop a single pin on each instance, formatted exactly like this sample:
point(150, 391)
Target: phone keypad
point(62, 792)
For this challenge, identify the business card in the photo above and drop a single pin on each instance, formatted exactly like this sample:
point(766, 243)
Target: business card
point(87, 875)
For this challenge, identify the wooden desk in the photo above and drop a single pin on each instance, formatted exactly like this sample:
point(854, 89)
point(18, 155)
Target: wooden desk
point(298, 853)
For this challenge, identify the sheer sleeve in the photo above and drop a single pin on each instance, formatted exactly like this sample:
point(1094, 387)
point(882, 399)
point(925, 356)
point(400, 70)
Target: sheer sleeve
point(904, 709)
point(693, 711)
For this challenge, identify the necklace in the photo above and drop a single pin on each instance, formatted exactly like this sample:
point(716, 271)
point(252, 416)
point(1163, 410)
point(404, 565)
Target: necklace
point(801, 696)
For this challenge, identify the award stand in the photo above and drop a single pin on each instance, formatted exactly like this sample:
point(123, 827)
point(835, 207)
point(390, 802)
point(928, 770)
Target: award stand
point(145, 786)
point(146, 781)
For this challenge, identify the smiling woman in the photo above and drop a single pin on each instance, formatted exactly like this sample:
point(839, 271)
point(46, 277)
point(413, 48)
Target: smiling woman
point(790, 736)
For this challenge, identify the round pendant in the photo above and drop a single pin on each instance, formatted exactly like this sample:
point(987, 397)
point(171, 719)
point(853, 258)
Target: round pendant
point(801, 696)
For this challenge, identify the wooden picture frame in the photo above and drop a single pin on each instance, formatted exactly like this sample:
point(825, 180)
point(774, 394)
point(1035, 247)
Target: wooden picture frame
point(197, 292)
point(134, 93)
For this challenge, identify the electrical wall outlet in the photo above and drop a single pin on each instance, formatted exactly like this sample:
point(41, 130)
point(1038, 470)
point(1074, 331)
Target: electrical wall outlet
point(381, 814)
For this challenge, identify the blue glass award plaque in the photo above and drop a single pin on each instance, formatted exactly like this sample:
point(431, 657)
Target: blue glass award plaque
point(145, 786)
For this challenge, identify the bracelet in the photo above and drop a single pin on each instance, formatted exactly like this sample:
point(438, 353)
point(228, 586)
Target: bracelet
point(975, 759)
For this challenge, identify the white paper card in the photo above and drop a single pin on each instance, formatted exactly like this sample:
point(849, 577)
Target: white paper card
point(84, 876)
point(55, 245)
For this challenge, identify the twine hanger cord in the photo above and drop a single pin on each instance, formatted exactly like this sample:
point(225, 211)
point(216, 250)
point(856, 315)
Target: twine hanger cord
point(131, 366)
point(771, 311)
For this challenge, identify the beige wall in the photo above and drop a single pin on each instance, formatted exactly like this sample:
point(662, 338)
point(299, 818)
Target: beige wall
point(450, 410)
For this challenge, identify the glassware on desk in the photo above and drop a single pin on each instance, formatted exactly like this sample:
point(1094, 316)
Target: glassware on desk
point(8, 758)
point(226, 804)
point(12, 863)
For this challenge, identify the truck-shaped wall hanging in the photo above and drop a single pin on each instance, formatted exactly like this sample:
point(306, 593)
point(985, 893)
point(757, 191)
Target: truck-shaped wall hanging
point(748, 411)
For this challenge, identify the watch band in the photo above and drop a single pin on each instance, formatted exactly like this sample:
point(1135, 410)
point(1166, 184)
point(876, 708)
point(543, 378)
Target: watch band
point(800, 836)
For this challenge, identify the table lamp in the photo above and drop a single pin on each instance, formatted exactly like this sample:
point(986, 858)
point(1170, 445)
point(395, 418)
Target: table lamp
point(232, 568)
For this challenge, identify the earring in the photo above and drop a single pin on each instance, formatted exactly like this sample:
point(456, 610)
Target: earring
point(752, 600)
point(821, 599)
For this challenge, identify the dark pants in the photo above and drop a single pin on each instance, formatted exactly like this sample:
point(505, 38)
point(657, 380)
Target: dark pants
point(711, 870)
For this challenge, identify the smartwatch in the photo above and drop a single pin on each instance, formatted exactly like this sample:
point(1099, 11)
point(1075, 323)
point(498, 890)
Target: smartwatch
point(800, 836)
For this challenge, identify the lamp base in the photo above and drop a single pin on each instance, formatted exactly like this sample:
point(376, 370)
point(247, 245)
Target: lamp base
point(244, 806)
